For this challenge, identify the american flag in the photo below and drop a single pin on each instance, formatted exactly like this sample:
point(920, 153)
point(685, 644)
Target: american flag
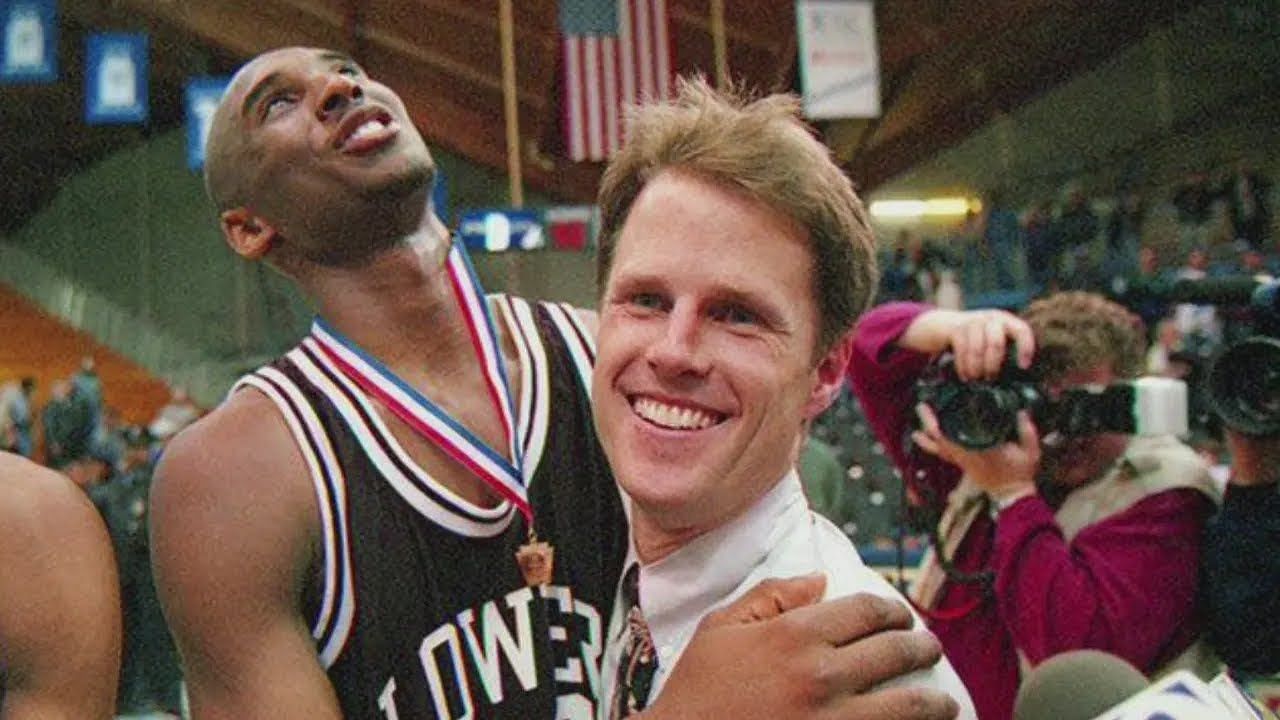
point(616, 52)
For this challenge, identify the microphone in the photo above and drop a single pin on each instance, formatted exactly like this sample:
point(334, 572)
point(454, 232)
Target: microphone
point(1076, 685)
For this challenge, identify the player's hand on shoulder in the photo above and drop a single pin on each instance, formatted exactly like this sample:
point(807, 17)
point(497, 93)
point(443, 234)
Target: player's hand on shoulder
point(774, 655)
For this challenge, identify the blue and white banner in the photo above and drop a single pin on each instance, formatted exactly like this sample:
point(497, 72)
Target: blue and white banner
point(30, 42)
point(202, 96)
point(502, 229)
point(839, 58)
point(116, 79)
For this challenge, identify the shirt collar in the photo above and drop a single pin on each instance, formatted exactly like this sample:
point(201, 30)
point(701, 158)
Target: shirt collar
point(679, 589)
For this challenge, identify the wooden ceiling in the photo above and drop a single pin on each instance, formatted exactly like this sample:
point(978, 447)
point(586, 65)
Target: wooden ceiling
point(947, 68)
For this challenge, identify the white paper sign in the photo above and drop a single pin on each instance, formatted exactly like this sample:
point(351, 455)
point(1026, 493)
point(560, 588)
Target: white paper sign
point(839, 58)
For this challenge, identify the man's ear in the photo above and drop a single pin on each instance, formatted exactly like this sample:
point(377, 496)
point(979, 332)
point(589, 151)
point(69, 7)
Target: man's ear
point(829, 377)
point(247, 234)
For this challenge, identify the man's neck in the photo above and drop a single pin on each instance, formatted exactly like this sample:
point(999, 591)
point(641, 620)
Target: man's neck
point(399, 306)
point(654, 542)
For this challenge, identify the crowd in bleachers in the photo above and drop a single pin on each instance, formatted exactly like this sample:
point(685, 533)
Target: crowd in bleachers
point(76, 433)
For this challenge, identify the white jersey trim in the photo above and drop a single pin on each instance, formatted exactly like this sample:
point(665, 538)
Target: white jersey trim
point(431, 499)
point(327, 479)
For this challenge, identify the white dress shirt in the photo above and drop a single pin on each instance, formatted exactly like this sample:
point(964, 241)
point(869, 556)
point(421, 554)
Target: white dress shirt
point(778, 537)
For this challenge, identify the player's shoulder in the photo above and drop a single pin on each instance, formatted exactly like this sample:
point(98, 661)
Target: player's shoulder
point(37, 503)
point(243, 448)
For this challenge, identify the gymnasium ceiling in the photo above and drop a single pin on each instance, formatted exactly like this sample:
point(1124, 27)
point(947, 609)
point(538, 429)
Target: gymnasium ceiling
point(948, 67)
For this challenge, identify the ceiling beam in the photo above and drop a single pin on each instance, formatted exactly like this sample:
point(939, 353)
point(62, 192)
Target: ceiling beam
point(946, 123)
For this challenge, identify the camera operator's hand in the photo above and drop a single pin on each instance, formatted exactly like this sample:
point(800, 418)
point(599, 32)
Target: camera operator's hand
point(979, 339)
point(1254, 460)
point(1004, 472)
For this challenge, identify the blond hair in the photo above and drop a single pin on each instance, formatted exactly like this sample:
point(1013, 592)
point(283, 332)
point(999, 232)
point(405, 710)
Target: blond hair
point(763, 148)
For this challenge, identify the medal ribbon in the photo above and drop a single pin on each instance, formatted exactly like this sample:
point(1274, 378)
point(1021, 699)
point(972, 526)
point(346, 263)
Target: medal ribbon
point(430, 420)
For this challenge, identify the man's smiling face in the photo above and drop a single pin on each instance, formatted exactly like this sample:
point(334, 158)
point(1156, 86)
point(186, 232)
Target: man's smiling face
point(705, 369)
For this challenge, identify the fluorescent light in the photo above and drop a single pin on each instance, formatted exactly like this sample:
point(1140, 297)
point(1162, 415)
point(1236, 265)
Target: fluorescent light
point(915, 209)
point(897, 208)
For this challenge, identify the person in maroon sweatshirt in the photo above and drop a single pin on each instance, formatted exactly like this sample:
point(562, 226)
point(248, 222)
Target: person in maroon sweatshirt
point(1088, 543)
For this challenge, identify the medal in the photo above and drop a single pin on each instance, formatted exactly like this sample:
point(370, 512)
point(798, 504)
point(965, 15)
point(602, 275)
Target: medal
point(535, 557)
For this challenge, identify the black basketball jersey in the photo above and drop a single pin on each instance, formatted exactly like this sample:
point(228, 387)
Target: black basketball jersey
point(419, 609)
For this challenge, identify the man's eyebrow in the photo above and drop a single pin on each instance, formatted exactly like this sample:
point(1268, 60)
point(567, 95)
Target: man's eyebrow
point(264, 86)
point(338, 56)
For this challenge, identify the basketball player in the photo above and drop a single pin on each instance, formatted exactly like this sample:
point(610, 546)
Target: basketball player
point(408, 516)
point(59, 599)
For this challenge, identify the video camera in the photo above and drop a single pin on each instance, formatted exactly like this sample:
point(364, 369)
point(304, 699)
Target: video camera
point(983, 414)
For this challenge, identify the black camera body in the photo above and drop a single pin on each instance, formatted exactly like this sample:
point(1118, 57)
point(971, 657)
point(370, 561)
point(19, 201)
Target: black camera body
point(984, 414)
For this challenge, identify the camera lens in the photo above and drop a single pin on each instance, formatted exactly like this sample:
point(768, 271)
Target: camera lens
point(1244, 386)
point(979, 416)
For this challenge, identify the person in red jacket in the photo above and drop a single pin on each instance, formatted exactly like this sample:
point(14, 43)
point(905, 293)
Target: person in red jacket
point(1089, 542)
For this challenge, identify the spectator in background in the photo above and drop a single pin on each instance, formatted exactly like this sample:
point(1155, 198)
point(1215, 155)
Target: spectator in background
point(1143, 292)
point(1194, 200)
point(1043, 250)
point(1085, 543)
point(1124, 238)
point(977, 268)
point(1075, 230)
point(16, 416)
point(88, 386)
point(1241, 569)
point(1199, 325)
point(896, 280)
point(69, 424)
point(150, 679)
point(178, 413)
point(1004, 240)
point(823, 479)
point(1247, 194)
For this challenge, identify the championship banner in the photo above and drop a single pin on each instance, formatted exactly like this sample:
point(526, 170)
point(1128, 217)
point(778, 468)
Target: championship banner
point(499, 230)
point(30, 42)
point(839, 59)
point(116, 79)
point(201, 99)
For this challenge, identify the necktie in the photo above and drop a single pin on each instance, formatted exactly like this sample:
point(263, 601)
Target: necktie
point(638, 662)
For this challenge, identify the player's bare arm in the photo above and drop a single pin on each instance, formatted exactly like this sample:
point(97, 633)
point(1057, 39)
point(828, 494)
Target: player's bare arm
point(233, 531)
point(59, 599)
point(837, 652)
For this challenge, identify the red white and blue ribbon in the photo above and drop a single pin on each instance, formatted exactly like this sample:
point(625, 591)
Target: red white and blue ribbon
point(427, 418)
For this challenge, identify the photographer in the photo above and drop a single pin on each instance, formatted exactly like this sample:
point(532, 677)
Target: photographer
point(1092, 542)
point(1241, 570)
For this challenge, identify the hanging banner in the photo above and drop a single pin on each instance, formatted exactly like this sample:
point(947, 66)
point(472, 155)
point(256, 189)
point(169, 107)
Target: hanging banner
point(572, 227)
point(202, 96)
point(116, 79)
point(30, 42)
point(839, 59)
point(500, 230)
